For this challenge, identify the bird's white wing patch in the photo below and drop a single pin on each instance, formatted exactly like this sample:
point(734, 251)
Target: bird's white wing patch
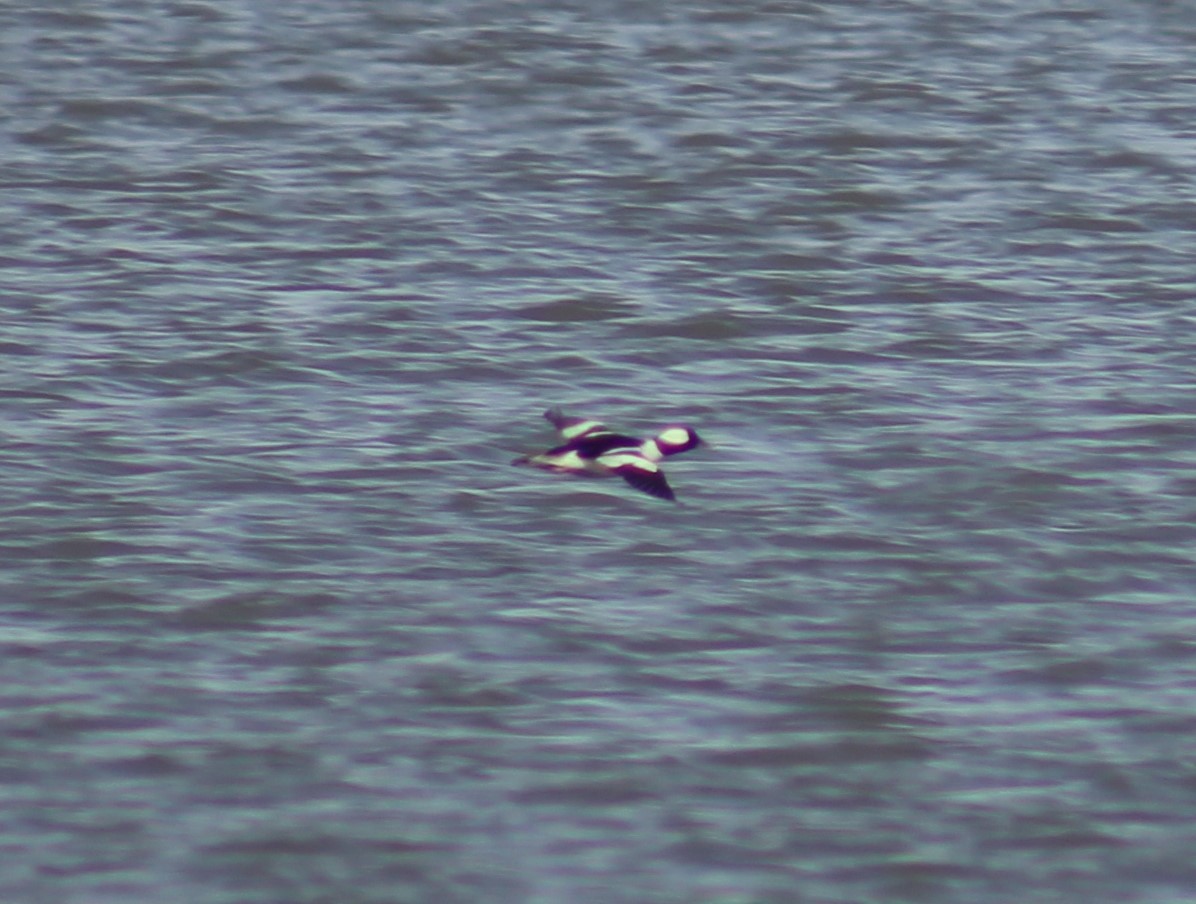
point(571, 428)
point(565, 462)
point(640, 472)
point(627, 458)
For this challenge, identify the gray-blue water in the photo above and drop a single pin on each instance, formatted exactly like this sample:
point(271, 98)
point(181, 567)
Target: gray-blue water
point(285, 287)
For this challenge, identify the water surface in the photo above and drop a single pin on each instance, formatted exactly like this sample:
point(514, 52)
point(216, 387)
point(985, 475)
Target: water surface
point(285, 289)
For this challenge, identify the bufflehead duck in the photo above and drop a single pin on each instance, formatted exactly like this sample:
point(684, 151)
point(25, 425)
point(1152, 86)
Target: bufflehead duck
point(591, 448)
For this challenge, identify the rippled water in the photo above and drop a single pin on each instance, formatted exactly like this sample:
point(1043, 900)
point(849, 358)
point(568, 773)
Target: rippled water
point(285, 289)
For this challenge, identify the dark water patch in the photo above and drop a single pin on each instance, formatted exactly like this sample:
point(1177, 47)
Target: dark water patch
point(590, 794)
point(845, 753)
point(252, 610)
point(709, 326)
point(582, 309)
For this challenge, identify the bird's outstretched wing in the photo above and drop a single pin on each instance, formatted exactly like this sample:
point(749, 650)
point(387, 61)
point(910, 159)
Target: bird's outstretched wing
point(570, 428)
point(640, 472)
point(651, 482)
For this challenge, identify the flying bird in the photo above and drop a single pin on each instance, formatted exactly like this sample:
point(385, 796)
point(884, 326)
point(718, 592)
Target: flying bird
point(589, 447)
